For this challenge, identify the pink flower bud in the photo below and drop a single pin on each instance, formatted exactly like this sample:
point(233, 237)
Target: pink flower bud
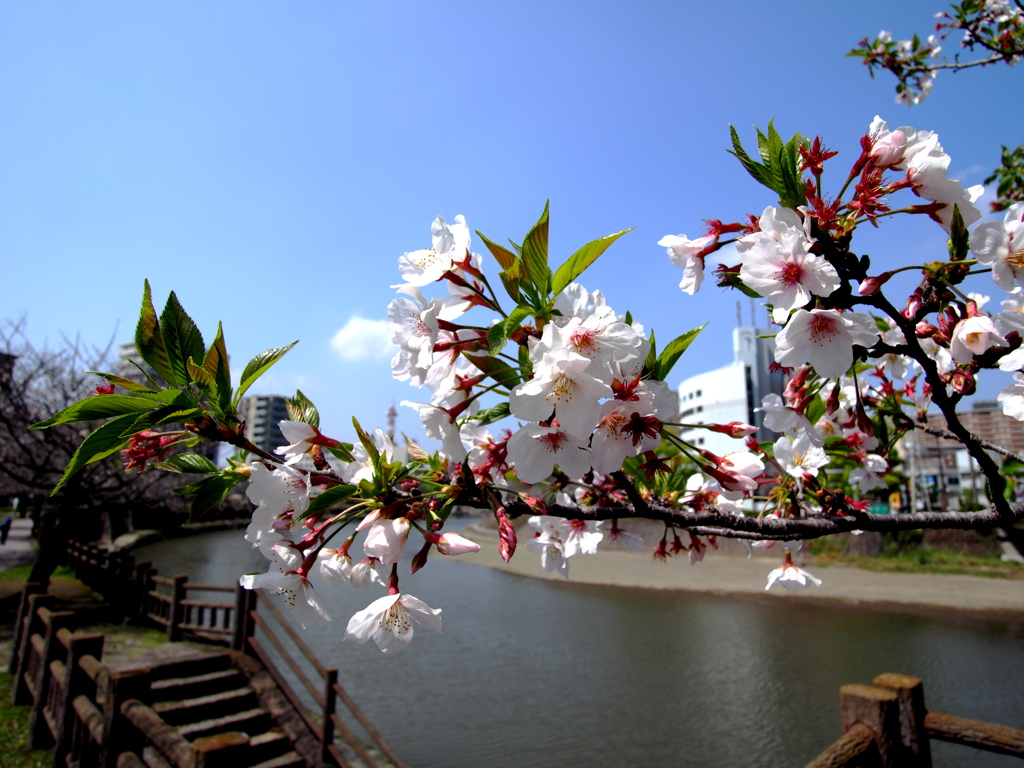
point(420, 558)
point(507, 544)
point(871, 285)
point(733, 429)
point(451, 543)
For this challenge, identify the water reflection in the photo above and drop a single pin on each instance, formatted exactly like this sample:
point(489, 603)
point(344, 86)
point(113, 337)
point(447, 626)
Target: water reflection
point(535, 673)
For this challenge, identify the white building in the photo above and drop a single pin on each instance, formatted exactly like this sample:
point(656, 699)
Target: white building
point(731, 393)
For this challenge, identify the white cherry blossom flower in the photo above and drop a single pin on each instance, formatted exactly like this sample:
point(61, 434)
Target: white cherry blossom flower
point(535, 450)
point(386, 540)
point(800, 457)
point(686, 253)
point(439, 425)
point(1001, 246)
point(561, 384)
point(973, 336)
point(335, 566)
point(824, 338)
point(787, 273)
point(388, 621)
point(366, 572)
point(450, 244)
point(298, 593)
point(1012, 398)
point(791, 577)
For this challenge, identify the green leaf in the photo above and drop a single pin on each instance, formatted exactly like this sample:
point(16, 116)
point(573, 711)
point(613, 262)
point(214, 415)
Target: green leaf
point(815, 410)
point(301, 408)
point(171, 414)
point(132, 386)
point(189, 463)
point(525, 364)
point(149, 342)
point(216, 364)
point(371, 447)
point(498, 333)
point(100, 443)
point(182, 340)
point(504, 256)
point(257, 367)
point(209, 492)
point(202, 379)
point(343, 452)
point(651, 362)
point(511, 277)
point(499, 370)
point(95, 408)
point(330, 497)
point(673, 351)
point(583, 258)
point(758, 171)
point(535, 255)
point(491, 415)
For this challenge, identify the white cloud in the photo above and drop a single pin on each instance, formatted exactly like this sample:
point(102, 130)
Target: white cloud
point(362, 339)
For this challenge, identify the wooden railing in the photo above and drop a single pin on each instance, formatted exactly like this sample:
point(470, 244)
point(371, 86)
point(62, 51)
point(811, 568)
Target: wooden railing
point(166, 602)
point(322, 687)
point(90, 715)
point(887, 725)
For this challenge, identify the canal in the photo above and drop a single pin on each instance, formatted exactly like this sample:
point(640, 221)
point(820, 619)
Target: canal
point(538, 674)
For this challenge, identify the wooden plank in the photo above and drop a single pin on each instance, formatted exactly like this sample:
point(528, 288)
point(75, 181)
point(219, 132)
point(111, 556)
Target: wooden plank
point(287, 627)
point(974, 733)
point(293, 665)
point(374, 734)
point(283, 684)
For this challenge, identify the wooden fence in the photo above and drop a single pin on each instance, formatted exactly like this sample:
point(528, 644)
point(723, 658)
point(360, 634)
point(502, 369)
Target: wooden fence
point(89, 714)
point(171, 603)
point(886, 725)
point(322, 686)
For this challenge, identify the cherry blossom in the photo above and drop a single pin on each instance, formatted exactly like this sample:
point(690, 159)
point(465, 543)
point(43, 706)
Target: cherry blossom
point(298, 593)
point(801, 457)
point(787, 273)
point(791, 577)
point(561, 384)
point(972, 336)
point(1012, 397)
point(450, 244)
point(1001, 246)
point(386, 540)
point(388, 621)
point(688, 254)
point(535, 450)
point(824, 338)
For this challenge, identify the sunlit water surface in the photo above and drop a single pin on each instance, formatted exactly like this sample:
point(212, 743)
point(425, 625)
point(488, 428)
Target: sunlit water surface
point(537, 673)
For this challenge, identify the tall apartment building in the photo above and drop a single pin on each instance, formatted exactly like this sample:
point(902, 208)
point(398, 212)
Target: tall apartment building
point(940, 471)
point(262, 414)
point(731, 393)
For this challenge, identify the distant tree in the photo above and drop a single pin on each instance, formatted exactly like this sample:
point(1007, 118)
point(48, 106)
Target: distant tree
point(35, 382)
point(988, 33)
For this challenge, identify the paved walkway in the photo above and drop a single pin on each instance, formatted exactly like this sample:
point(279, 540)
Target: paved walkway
point(990, 598)
point(19, 549)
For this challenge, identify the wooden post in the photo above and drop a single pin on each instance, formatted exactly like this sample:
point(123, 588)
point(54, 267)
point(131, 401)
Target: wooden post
point(117, 732)
point(140, 588)
point(20, 694)
point(177, 595)
point(878, 709)
point(20, 623)
point(245, 604)
point(916, 752)
point(74, 685)
point(39, 735)
point(330, 706)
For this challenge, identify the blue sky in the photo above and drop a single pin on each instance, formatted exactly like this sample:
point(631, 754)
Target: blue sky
point(269, 162)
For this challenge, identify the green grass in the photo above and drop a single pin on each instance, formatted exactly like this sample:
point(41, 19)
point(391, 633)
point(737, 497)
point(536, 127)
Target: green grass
point(901, 557)
point(22, 572)
point(14, 753)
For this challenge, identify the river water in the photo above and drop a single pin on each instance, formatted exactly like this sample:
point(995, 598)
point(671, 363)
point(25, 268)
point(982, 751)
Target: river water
point(538, 674)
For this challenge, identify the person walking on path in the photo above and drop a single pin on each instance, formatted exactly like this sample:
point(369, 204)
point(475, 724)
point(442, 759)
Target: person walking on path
point(5, 528)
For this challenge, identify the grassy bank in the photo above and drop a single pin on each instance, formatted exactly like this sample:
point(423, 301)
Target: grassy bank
point(912, 554)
